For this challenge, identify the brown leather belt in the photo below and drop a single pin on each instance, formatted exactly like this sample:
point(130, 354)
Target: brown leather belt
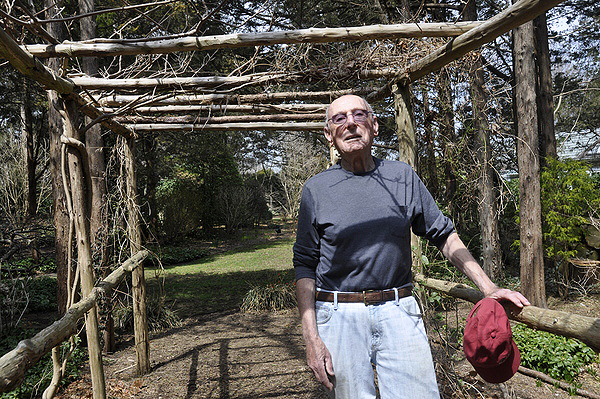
point(367, 297)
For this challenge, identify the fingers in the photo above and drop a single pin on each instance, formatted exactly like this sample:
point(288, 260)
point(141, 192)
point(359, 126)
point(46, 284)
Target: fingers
point(319, 361)
point(323, 372)
point(513, 296)
point(521, 299)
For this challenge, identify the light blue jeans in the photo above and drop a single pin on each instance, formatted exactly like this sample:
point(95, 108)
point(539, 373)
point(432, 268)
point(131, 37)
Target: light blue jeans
point(390, 335)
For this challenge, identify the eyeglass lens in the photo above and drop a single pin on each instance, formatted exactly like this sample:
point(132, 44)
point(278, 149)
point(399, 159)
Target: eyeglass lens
point(359, 116)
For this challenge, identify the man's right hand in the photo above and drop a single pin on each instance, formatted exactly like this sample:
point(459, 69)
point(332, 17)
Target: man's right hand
point(317, 354)
point(319, 361)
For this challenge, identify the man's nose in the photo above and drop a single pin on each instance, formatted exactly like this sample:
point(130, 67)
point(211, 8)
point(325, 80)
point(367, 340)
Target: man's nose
point(350, 119)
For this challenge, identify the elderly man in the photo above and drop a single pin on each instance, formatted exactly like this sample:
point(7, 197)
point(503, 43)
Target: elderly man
point(352, 259)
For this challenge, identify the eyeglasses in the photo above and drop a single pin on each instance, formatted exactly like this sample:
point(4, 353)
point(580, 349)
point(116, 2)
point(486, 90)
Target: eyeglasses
point(358, 115)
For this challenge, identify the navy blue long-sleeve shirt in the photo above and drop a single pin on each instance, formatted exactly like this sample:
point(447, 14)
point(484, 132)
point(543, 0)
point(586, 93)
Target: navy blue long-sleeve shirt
point(354, 229)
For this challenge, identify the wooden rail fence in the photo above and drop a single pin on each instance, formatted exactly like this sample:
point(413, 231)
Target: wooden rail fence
point(14, 364)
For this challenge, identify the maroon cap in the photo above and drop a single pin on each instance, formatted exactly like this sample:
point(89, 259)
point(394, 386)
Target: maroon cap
point(488, 343)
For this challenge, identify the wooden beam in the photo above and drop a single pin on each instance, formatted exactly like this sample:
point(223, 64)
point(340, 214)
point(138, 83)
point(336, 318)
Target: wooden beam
point(224, 82)
point(193, 119)
point(586, 329)
point(173, 127)
point(515, 15)
point(188, 99)
point(224, 108)
point(107, 47)
point(30, 66)
point(14, 364)
point(161, 83)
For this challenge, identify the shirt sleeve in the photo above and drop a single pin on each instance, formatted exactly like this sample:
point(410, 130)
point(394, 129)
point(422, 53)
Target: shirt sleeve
point(306, 249)
point(429, 221)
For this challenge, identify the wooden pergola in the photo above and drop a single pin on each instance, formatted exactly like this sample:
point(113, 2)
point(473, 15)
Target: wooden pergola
point(111, 103)
point(95, 96)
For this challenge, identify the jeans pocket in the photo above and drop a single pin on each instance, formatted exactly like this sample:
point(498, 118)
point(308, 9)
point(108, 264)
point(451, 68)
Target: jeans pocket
point(410, 306)
point(324, 311)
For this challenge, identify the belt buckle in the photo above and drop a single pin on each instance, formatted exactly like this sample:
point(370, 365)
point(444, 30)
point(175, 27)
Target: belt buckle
point(372, 302)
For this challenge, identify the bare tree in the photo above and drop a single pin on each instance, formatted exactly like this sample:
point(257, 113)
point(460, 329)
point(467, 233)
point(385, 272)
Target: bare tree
point(302, 160)
point(487, 206)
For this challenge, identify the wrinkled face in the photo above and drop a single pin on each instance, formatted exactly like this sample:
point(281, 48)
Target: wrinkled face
point(351, 137)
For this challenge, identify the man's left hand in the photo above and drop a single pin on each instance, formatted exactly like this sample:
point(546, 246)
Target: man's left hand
point(513, 296)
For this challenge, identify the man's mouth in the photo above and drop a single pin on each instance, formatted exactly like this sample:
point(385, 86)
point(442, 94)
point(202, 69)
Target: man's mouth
point(352, 137)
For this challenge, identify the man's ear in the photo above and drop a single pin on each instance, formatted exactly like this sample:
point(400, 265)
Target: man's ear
point(375, 126)
point(328, 135)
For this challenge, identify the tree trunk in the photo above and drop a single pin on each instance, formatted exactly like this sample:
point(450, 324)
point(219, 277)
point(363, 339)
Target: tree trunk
point(148, 152)
point(407, 147)
point(487, 207)
point(545, 102)
point(447, 134)
point(28, 139)
point(530, 212)
point(405, 126)
point(140, 323)
point(431, 162)
point(59, 202)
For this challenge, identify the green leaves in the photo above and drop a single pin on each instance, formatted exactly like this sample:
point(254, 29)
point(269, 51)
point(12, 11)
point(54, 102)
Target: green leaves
point(569, 197)
point(559, 357)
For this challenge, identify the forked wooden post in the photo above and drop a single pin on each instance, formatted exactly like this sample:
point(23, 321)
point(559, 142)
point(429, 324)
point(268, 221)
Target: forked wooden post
point(81, 206)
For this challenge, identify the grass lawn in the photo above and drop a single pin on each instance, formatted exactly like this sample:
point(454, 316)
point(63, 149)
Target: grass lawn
point(219, 282)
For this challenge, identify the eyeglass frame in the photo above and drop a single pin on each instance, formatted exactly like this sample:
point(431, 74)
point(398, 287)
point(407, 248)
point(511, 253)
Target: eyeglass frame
point(353, 117)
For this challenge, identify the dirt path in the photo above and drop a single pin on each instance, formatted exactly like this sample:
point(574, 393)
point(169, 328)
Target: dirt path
point(243, 356)
point(237, 355)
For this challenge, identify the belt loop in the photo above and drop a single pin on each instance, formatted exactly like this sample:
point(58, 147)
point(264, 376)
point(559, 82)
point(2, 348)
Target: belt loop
point(335, 301)
point(397, 299)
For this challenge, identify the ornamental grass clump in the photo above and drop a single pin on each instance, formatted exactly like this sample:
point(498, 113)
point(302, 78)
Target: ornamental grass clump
point(160, 316)
point(270, 297)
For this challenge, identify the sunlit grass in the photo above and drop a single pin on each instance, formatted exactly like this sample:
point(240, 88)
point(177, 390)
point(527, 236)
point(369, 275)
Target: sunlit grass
point(220, 282)
point(276, 256)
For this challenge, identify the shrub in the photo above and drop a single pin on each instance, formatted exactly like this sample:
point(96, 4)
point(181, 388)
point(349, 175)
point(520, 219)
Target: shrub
point(39, 376)
point(569, 196)
point(42, 293)
point(569, 201)
point(559, 357)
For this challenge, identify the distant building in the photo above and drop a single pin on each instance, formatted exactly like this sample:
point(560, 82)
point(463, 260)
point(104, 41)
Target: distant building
point(581, 146)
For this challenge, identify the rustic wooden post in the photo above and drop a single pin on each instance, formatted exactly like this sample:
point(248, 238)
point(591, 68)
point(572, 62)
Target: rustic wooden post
point(94, 144)
point(407, 147)
point(81, 208)
point(140, 322)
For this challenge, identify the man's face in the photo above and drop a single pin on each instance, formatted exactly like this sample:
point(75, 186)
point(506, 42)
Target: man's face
point(351, 137)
